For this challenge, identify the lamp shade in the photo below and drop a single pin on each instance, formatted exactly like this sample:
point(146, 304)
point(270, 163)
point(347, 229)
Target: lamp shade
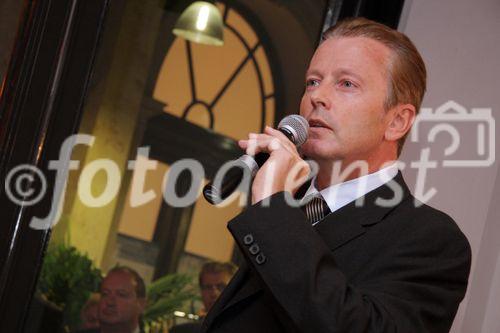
point(202, 23)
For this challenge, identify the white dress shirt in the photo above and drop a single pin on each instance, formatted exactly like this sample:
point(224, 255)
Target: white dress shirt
point(339, 195)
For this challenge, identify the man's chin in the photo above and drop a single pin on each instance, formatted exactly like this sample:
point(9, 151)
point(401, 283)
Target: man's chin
point(317, 152)
point(110, 319)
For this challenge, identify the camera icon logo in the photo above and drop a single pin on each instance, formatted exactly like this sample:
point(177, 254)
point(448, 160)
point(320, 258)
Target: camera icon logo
point(453, 119)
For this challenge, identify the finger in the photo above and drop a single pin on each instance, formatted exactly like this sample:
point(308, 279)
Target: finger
point(274, 132)
point(262, 143)
point(282, 137)
point(243, 144)
point(275, 144)
point(252, 147)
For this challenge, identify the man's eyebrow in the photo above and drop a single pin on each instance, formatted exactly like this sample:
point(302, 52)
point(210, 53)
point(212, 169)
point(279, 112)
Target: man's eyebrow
point(123, 290)
point(312, 72)
point(118, 289)
point(348, 72)
point(338, 72)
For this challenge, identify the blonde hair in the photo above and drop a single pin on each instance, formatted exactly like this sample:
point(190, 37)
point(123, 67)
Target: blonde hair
point(407, 73)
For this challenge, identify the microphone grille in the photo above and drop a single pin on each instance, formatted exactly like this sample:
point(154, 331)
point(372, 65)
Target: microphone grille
point(298, 126)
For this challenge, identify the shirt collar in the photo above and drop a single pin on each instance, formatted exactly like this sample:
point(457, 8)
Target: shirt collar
point(339, 195)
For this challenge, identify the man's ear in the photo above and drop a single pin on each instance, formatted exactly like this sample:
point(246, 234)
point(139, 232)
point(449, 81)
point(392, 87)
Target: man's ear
point(401, 118)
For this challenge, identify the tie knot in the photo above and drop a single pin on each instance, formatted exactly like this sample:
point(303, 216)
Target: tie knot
point(316, 208)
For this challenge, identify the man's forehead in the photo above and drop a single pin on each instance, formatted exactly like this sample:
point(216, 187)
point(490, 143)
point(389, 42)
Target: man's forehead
point(215, 276)
point(119, 279)
point(361, 57)
point(350, 52)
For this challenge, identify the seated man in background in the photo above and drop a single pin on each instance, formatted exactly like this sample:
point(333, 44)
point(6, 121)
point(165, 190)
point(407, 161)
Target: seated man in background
point(123, 299)
point(213, 278)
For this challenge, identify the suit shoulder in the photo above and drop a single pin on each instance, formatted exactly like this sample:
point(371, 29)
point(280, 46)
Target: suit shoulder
point(434, 224)
point(425, 216)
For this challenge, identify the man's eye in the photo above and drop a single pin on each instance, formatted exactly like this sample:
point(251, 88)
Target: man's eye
point(312, 83)
point(347, 84)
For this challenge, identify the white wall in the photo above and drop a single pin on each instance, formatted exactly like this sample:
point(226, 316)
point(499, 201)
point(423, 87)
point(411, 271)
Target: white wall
point(460, 43)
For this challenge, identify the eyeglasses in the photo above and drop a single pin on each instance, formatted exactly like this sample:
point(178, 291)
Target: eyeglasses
point(218, 287)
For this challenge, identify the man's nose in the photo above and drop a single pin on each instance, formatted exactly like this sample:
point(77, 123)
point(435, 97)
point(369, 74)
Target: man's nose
point(110, 300)
point(320, 96)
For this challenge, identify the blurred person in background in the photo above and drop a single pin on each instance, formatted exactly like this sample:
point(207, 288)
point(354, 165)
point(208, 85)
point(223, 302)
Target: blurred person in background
point(213, 278)
point(123, 299)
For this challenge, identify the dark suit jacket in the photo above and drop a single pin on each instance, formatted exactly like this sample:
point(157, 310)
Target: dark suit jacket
point(362, 269)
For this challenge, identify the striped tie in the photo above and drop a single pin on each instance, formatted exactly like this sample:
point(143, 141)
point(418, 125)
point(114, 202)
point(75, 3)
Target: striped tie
point(316, 209)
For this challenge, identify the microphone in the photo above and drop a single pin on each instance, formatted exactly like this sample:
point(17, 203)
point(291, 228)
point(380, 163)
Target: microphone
point(294, 127)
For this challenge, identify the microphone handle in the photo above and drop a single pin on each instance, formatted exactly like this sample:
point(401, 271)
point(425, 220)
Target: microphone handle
point(232, 179)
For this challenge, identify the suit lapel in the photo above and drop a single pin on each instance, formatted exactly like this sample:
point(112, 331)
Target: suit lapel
point(350, 221)
point(338, 228)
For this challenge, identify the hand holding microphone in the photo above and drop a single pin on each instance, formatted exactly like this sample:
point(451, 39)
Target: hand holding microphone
point(270, 156)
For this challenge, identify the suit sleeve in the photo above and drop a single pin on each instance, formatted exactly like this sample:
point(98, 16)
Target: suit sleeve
point(416, 289)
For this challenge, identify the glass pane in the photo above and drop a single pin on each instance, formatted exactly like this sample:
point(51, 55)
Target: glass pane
point(10, 14)
point(154, 101)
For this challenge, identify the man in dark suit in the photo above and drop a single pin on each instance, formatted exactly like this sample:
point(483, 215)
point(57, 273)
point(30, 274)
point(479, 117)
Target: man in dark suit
point(365, 256)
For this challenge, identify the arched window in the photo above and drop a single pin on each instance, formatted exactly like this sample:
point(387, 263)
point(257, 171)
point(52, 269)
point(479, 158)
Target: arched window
point(228, 89)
